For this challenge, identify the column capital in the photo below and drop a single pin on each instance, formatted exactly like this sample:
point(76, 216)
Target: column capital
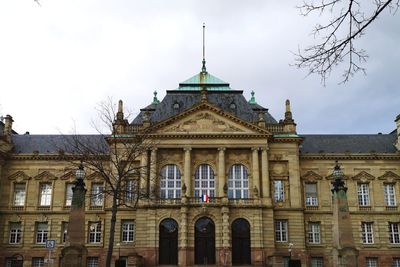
point(154, 149)
point(255, 148)
point(265, 148)
point(221, 148)
point(187, 148)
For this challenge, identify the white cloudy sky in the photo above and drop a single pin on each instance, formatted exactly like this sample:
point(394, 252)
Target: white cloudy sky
point(59, 60)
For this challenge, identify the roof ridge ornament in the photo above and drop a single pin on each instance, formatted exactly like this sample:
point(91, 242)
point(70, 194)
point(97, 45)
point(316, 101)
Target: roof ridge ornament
point(155, 99)
point(203, 68)
point(252, 99)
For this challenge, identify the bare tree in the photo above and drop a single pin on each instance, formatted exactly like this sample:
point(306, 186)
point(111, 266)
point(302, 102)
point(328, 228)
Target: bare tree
point(116, 158)
point(337, 37)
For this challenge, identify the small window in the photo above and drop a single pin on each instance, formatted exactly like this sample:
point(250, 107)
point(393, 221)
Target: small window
point(363, 195)
point(390, 196)
point(232, 106)
point(314, 233)
point(394, 232)
point(97, 195)
point(176, 105)
point(281, 231)
point(92, 262)
point(279, 191)
point(45, 194)
point(64, 233)
point(371, 262)
point(41, 232)
point(311, 194)
point(38, 262)
point(367, 232)
point(317, 262)
point(19, 194)
point(15, 233)
point(94, 232)
point(128, 231)
point(396, 262)
point(131, 188)
point(68, 194)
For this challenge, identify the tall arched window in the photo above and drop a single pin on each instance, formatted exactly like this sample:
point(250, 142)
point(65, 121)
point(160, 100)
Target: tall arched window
point(204, 181)
point(170, 182)
point(238, 182)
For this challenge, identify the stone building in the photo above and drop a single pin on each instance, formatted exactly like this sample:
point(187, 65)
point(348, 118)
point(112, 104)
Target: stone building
point(268, 188)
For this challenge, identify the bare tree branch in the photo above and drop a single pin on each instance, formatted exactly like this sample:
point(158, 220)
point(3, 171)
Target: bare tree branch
point(350, 19)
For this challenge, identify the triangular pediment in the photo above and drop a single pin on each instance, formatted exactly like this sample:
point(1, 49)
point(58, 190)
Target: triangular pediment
point(363, 176)
point(207, 119)
point(19, 176)
point(311, 176)
point(389, 176)
point(45, 175)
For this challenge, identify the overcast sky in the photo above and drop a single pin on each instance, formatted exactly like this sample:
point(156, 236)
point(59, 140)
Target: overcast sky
point(59, 60)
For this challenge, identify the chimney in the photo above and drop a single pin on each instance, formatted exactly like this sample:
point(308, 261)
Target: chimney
point(397, 120)
point(8, 128)
point(120, 123)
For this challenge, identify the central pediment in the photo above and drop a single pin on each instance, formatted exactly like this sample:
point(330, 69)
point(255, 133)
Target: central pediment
point(207, 119)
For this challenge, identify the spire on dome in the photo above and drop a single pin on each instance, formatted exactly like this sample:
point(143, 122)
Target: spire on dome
point(203, 68)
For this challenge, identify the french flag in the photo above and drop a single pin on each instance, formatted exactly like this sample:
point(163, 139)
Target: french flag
point(204, 198)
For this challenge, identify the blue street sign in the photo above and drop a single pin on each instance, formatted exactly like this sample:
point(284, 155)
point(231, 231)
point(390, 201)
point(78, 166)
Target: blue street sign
point(50, 244)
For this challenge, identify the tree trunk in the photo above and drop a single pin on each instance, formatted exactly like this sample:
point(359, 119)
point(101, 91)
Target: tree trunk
point(112, 231)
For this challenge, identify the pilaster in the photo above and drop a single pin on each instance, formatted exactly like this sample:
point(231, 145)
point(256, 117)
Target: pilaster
point(187, 171)
point(256, 173)
point(221, 171)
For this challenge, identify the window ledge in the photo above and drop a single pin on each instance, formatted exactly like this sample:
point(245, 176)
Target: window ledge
point(18, 208)
point(43, 208)
point(96, 207)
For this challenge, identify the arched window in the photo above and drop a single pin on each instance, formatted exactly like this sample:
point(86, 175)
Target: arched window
point(238, 182)
point(204, 181)
point(170, 182)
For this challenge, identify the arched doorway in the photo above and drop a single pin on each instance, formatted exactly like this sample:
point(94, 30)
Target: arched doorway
point(204, 241)
point(168, 246)
point(241, 251)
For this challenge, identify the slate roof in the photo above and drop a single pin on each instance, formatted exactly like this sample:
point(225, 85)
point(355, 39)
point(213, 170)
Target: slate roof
point(177, 101)
point(204, 79)
point(352, 143)
point(52, 144)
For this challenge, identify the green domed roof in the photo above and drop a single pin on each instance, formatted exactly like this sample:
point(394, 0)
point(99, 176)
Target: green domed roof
point(204, 79)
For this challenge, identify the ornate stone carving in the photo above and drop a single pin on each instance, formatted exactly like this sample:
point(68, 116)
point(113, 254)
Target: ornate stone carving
point(68, 176)
point(363, 176)
point(279, 169)
point(311, 176)
point(389, 176)
point(46, 175)
point(19, 176)
point(203, 122)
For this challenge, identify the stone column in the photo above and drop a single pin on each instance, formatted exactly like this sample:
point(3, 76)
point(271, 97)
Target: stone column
point(265, 173)
point(187, 171)
point(221, 171)
point(143, 173)
point(153, 173)
point(256, 174)
point(225, 255)
point(183, 242)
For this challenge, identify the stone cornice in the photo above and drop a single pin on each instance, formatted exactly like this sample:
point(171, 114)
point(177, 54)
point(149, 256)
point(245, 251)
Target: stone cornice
point(350, 156)
point(209, 135)
point(51, 157)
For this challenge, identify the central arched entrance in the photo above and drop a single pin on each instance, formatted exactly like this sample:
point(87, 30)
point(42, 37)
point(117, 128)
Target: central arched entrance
point(204, 241)
point(241, 251)
point(168, 246)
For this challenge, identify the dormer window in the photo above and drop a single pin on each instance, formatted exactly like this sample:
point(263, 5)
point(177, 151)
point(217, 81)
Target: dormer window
point(176, 105)
point(232, 106)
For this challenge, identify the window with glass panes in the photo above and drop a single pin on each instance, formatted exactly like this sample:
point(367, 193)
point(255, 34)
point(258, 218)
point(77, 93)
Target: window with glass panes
point(367, 232)
point(97, 195)
point(128, 231)
point(363, 195)
point(279, 190)
point(15, 233)
point(38, 262)
point(170, 182)
point(45, 194)
point(68, 194)
point(19, 194)
point(64, 232)
point(396, 262)
point(314, 233)
point(238, 182)
point(281, 231)
point(92, 262)
point(311, 194)
point(204, 181)
point(317, 262)
point(94, 232)
point(390, 196)
point(394, 232)
point(130, 190)
point(371, 262)
point(41, 232)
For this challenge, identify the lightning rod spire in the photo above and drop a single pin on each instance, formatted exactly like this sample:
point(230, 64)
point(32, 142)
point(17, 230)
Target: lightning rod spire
point(203, 68)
